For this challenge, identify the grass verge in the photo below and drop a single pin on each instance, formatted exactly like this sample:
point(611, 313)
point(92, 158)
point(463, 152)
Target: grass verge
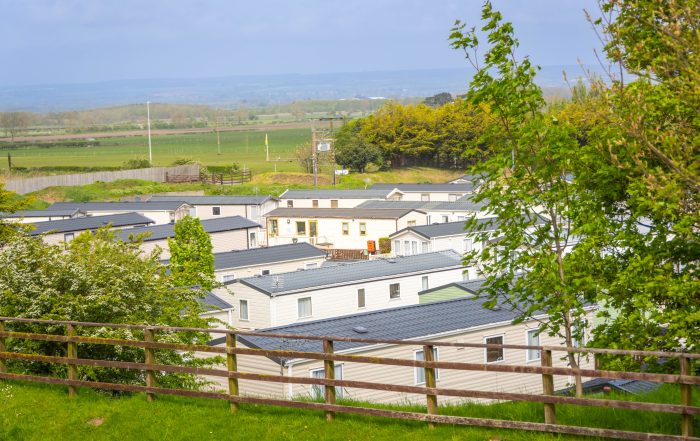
point(39, 412)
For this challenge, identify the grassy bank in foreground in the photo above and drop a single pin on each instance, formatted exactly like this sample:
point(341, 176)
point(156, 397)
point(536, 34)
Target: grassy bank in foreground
point(38, 412)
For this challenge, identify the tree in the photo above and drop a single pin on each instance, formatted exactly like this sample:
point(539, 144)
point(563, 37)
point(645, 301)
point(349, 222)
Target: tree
point(9, 203)
point(438, 100)
point(304, 156)
point(533, 266)
point(14, 122)
point(352, 150)
point(96, 278)
point(648, 182)
point(191, 256)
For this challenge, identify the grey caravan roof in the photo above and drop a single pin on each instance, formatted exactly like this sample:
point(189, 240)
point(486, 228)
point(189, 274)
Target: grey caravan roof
point(211, 302)
point(89, 223)
point(338, 275)
point(215, 200)
point(407, 322)
point(462, 204)
point(398, 205)
point(259, 256)
point(336, 194)
point(415, 188)
point(340, 213)
point(41, 213)
point(444, 229)
point(139, 206)
point(159, 232)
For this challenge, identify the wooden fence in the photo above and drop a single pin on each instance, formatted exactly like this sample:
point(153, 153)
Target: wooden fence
point(231, 178)
point(685, 379)
point(343, 254)
point(157, 174)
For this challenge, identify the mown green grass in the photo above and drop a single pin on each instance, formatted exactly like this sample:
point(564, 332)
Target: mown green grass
point(40, 412)
point(244, 147)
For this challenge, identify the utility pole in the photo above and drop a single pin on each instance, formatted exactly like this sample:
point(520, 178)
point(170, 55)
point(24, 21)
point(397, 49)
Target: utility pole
point(314, 158)
point(148, 115)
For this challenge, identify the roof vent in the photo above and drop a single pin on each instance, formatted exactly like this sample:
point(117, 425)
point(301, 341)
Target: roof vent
point(496, 308)
point(360, 329)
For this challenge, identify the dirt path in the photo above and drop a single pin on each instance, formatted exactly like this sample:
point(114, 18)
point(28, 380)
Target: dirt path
point(126, 133)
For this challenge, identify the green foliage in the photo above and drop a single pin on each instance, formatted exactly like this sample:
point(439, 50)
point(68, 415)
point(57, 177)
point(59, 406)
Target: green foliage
point(630, 216)
point(528, 158)
point(137, 163)
point(650, 146)
point(352, 151)
point(384, 245)
point(95, 278)
point(419, 134)
point(9, 203)
point(438, 100)
point(191, 255)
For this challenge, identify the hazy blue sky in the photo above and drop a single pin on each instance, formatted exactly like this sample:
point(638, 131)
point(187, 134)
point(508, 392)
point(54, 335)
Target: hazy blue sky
point(58, 41)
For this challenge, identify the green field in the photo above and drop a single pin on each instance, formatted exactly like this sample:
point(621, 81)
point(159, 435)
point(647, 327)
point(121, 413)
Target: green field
point(40, 412)
point(243, 147)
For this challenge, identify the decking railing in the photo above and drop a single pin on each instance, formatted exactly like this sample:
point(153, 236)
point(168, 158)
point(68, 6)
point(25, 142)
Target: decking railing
point(686, 380)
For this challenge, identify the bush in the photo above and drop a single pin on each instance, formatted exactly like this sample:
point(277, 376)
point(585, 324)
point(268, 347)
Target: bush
point(137, 163)
point(96, 278)
point(384, 245)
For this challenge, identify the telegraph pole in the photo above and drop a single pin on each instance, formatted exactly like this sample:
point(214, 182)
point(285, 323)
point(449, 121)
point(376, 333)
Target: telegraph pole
point(148, 113)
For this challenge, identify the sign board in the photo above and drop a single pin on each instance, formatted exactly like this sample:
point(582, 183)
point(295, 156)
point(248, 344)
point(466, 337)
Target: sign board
point(342, 172)
point(323, 146)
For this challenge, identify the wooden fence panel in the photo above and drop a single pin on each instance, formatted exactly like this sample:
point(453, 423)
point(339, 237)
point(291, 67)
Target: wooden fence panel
point(157, 174)
point(429, 365)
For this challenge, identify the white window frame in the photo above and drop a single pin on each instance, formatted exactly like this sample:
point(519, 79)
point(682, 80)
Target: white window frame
point(228, 278)
point(398, 290)
point(503, 351)
point(311, 311)
point(345, 228)
point(425, 197)
point(317, 391)
point(445, 218)
point(67, 237)
point(397, 247)
point(468, 244)
point(290, 204)
point(240, 310)
point(216, 211)
point(253, 238)
point(425, 246)
point(416, 370)
point(414, 247)
point(530, 352)
point(363, 228)
point(424, 283)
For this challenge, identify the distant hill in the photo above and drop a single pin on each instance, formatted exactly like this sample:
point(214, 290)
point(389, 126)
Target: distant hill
point(257, 91)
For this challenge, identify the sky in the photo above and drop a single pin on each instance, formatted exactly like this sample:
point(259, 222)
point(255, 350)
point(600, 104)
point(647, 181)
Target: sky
point(78, 41)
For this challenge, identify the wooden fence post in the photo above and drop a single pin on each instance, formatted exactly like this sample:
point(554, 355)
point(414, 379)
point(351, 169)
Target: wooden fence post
point(550, 416)
point(232, 365)
point(329, 370)
point(3, 348)
point(430, 382)
point(686, 398)
point(150, 359)
point(72, 353)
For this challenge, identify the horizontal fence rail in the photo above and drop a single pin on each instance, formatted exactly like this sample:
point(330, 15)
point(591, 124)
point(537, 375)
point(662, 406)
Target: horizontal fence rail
point(328, 384)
